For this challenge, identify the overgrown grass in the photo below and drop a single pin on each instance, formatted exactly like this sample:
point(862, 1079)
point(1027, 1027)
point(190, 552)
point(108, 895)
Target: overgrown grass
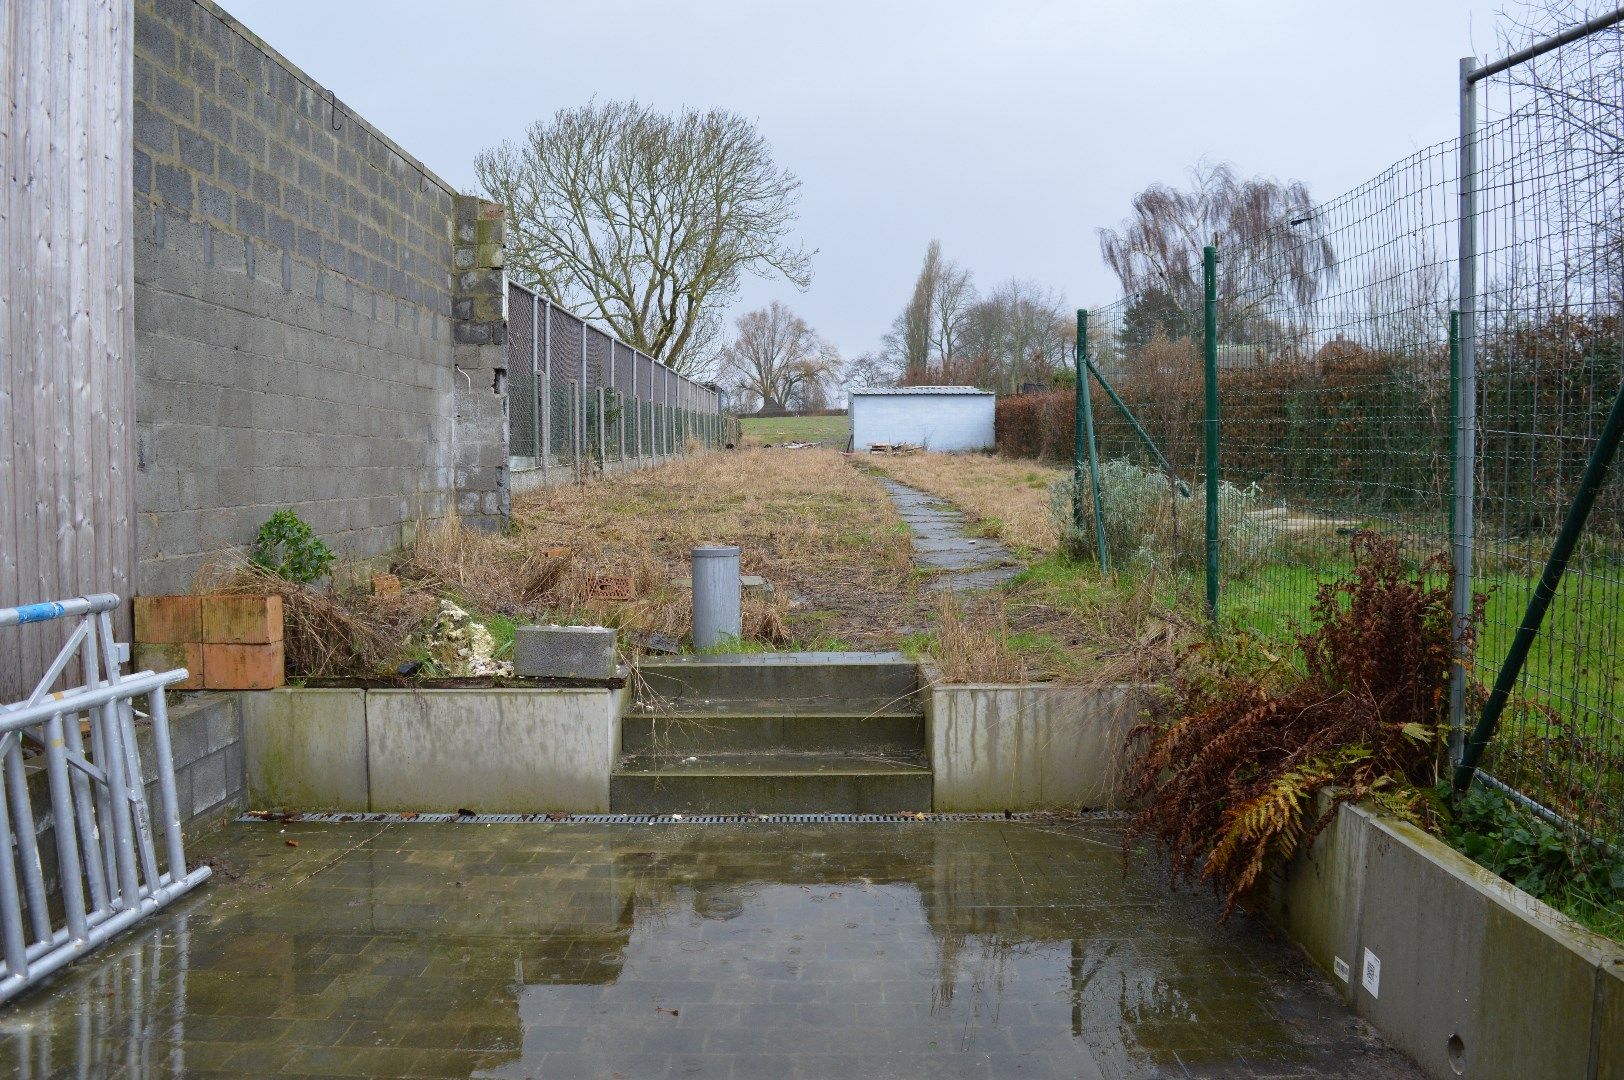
point(1005, 498)
point(824, 536)
point(830, 431)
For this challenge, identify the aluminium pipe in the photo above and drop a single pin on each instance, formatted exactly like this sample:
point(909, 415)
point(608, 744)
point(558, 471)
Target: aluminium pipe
point(717, 609)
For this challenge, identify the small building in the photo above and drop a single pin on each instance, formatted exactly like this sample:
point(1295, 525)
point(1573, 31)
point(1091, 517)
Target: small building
point(942, 418)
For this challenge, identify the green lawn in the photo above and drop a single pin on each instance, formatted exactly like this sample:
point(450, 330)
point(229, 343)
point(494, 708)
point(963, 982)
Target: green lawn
point(831, 431)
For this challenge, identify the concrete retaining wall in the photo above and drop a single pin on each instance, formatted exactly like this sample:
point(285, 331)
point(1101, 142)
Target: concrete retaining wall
point(1027, 747)
point(518, 751)
point(1465, 973)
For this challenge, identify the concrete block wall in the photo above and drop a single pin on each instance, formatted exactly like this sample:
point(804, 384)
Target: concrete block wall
point(479, 335)
point(293, 308)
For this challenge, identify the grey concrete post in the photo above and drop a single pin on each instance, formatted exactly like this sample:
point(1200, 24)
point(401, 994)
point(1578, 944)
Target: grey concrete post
point(717, 611)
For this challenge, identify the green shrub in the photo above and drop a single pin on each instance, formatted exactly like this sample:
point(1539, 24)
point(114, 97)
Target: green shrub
point(1578, 877)
point(289, 548)
point(1148, 524)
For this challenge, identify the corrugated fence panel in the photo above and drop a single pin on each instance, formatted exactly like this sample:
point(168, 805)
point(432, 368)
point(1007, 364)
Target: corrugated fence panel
point(66, 376)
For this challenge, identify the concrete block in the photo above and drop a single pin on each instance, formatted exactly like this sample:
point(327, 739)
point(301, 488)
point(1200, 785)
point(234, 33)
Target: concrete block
point(167, 656)
point(168, 619)
point(209, 783)
point(243, 667)
point(1029, 747)
point(1609, 1022)
point(306, 749)
point(498, 751)
point(1463, 955)
point(573, 652)
point(241, 620)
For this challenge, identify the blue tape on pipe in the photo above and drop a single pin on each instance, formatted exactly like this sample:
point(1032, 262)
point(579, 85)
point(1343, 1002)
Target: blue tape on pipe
point(40, 612)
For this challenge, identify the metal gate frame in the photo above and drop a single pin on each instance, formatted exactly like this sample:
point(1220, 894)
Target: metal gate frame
point(98, 804)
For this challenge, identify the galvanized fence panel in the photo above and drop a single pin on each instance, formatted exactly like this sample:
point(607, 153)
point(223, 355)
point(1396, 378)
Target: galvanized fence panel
point(579, 398)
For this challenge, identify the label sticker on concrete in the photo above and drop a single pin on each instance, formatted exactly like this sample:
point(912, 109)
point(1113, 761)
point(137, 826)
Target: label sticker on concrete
point(1371, 977)
point(1340, 966)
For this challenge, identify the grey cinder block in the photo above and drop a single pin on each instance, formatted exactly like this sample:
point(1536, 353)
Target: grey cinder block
point(576, 652)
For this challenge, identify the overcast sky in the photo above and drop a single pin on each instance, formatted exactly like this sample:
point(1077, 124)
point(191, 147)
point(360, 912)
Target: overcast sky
point(1008, 130)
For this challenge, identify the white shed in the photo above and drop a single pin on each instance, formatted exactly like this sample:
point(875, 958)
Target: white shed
point(935, 417)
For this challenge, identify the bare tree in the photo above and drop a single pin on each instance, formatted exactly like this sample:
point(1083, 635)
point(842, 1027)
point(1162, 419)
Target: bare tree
point(1023, 330)
point(927, 333)
point(1275, 250)
point(777, 357)
point(646, 220)
point(874, 369)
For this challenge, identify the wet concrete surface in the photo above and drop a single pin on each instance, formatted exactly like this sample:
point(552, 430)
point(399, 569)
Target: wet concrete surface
point(993, 950)
point(958, 561)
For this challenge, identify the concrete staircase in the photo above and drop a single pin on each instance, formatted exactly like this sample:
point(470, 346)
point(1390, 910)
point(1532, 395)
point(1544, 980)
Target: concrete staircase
point(774, 733)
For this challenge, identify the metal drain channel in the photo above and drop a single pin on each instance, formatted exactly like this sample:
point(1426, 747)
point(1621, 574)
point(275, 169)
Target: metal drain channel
point(667, 819)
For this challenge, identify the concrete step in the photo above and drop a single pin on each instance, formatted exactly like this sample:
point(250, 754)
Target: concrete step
point(863, 681)
point(779, 783)
point(765, 729)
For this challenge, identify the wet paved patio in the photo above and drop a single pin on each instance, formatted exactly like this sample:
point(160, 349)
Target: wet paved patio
point(998, 949)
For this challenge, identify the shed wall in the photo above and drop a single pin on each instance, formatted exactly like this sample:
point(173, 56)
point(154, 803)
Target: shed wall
point(943, 422)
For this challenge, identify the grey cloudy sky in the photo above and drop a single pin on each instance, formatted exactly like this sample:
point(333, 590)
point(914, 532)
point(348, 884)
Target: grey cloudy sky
point(1010, 131)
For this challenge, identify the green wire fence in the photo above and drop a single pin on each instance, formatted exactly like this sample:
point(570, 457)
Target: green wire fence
point(1449, 378)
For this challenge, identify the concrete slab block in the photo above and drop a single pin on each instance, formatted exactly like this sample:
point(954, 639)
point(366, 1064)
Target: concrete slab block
point(306, 749)
point(1028, 747)
point(493, 751)
point(1315, 898)
point(1465, 973)
point(567, 652)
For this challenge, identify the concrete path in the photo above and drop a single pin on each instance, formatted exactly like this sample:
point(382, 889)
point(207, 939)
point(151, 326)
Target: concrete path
point(994, 950)
point(960, 562)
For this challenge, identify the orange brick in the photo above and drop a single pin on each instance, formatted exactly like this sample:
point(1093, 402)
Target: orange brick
point(243, 667)
point(168, 620)
point(385, 585)
point(242, 620)
point(167, 656)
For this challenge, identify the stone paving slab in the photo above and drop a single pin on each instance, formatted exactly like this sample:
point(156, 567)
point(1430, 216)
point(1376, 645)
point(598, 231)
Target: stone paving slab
point(960, 562)
point(994, 950)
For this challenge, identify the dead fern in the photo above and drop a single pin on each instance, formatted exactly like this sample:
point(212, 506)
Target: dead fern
point(1232, 782)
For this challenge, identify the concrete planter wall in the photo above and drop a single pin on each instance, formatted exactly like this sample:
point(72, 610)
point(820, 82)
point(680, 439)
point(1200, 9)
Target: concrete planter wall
point(519, 751)
point(1027, 747)
point(1465, 973)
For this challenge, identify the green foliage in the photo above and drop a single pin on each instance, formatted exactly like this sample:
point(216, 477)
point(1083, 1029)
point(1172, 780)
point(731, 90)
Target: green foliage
point(1233, 782)
point(1579, 878)
point(1149, 525)
point(289, 548)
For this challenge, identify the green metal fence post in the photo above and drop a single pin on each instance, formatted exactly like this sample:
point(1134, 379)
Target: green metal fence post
point(1573, 526)
point(1138, 428)
point(1209, 274)
point(1084, 438)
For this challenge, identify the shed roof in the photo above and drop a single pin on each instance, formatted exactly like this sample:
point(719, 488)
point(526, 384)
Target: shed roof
point(901, 391)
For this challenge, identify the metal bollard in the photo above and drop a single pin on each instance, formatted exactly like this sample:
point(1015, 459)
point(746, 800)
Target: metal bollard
point(716, 596)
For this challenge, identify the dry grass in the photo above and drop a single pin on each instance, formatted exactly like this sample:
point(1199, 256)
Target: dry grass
point(1008, 497)
point(824, 535)
point(342, 632)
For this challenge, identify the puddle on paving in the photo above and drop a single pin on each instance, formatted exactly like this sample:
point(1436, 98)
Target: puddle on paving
point(970, 949)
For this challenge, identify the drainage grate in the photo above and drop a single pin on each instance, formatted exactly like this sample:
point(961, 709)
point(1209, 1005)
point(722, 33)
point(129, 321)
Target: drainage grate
point(670, 819)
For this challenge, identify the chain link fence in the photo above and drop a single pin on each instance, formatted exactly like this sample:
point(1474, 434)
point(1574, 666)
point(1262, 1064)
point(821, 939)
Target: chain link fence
point(581, 403)
point(1385, 363)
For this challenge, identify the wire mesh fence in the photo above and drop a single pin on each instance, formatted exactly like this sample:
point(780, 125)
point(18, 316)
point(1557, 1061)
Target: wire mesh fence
point(1351, 396)
point(581, 402)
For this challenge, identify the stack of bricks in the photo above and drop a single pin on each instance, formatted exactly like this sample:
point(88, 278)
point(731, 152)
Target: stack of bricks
point(224, 642)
